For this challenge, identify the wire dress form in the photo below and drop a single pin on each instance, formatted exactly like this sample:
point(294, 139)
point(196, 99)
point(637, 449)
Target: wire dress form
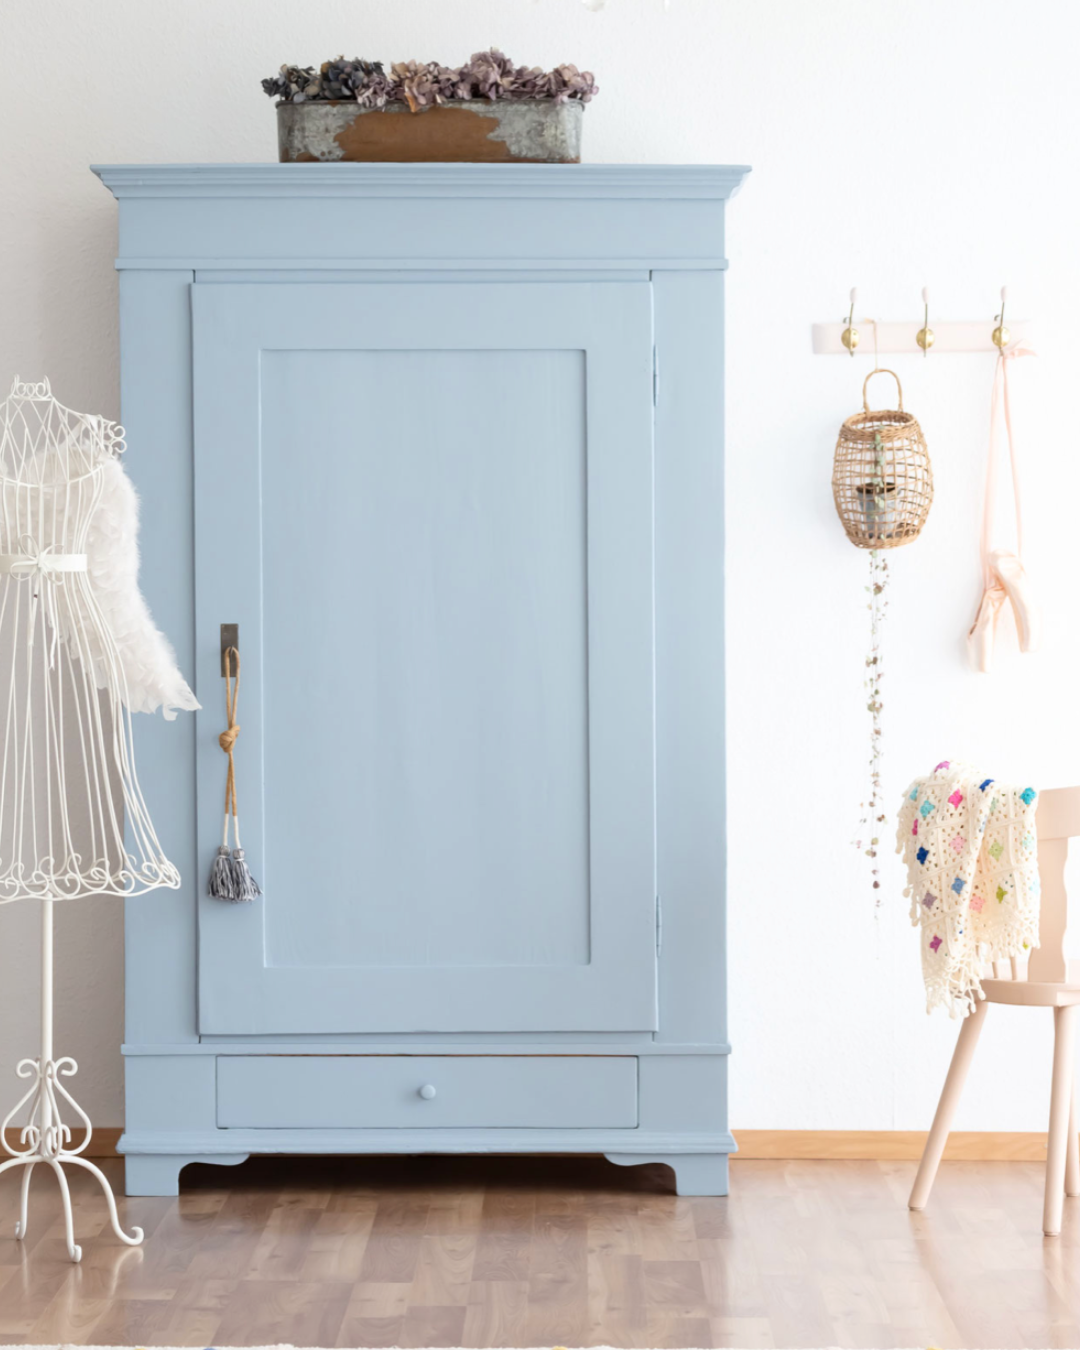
point(68, 785)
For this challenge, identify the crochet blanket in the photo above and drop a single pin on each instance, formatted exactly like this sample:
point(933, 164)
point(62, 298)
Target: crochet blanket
point(970, 846)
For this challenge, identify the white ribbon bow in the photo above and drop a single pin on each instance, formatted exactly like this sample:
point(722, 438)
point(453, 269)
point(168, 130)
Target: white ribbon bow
point(39, 564)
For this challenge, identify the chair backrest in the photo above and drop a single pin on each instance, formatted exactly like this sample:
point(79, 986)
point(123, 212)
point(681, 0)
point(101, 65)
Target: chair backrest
point(1058, 821)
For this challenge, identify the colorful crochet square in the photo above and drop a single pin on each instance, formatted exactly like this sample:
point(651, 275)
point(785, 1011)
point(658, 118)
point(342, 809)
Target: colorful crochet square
point(943, 765)
point(968, 839)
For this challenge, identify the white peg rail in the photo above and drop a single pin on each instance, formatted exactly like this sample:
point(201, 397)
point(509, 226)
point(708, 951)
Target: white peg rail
point(900, 337)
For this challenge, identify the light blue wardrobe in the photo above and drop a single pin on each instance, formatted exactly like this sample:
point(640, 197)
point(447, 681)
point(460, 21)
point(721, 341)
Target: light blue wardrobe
point(445, 442)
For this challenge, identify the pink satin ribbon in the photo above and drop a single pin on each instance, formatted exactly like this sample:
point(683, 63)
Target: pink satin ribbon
point(1004, 578)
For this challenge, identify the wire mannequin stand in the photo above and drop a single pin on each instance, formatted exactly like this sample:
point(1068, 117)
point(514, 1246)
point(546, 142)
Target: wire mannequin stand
point(73, 822)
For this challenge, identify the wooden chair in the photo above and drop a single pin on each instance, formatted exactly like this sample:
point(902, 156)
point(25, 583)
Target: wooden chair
point(1049, 981)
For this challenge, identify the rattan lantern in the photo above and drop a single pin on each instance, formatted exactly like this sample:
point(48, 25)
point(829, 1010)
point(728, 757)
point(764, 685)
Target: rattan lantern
point(882, 481)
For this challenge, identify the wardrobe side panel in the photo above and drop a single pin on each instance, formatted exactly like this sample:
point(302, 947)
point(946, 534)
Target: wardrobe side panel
point(690, 753)
point(155, 394)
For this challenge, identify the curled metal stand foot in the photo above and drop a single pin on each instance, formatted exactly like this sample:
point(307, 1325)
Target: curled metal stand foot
point(24, 1201)
point(44, 1139)
point(136, 1235)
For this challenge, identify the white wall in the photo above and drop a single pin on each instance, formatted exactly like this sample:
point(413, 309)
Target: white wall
point(895, 144)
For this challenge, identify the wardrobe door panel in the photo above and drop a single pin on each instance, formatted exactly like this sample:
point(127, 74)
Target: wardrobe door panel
point(428, 507)
point(435, 704)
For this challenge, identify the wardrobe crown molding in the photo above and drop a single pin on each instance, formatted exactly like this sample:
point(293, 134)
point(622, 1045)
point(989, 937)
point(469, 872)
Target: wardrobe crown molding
point(716, 182)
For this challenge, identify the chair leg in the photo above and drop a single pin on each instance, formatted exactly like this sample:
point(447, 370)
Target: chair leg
point(950, 1097)
point(1072, 1154)
point(1057, 1141)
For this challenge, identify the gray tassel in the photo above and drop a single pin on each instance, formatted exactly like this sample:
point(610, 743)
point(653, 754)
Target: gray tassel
point(221, 875)
point(230, 877)
point(246, 887)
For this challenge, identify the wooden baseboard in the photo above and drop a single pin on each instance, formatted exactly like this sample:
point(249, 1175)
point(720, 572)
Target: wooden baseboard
point(823, 1145)
point(888, 1145)
point(102, 1142)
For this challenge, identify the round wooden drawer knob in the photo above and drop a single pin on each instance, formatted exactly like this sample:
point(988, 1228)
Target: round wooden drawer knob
point(427, 1092)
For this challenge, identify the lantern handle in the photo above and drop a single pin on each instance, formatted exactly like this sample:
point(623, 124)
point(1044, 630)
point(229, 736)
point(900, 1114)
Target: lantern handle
point(899, 387)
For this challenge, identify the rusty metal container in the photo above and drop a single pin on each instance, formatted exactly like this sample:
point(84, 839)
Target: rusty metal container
point(473, 131)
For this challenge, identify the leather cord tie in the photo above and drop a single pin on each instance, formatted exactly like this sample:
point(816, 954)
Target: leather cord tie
point(227, 740)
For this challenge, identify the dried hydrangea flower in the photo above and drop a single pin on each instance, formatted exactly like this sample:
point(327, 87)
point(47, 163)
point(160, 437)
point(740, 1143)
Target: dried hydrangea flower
point(376, 91)
point(342, 79)
point(293, 84)
point(493, 74)
point(487, 75)
point(574, 83)
point(415, 83)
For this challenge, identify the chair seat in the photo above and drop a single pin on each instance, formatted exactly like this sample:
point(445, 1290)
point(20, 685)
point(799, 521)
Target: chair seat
point(1031, 994)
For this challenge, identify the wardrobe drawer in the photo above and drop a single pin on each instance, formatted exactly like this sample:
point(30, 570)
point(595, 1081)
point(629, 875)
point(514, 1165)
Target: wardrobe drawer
point(413, 1091)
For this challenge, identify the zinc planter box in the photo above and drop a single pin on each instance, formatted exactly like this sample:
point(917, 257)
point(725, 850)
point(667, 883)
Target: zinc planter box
point(472, 131)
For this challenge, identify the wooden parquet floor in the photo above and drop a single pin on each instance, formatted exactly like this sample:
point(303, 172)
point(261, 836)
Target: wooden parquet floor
point(547, 1252)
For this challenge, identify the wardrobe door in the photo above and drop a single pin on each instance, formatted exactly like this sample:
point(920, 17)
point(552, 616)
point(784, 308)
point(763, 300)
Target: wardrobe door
point(429, 509)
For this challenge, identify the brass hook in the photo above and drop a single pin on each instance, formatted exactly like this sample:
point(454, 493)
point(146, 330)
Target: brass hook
point(850, 336)
point(925, 336)
point(1000, 336)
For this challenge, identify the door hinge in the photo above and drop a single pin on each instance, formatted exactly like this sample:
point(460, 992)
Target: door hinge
point(659, 926)
point(655, 375)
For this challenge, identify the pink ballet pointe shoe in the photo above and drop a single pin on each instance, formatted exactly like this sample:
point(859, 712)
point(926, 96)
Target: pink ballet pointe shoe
point(980, 639)
point(1009, 571)
point(1004, 577)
